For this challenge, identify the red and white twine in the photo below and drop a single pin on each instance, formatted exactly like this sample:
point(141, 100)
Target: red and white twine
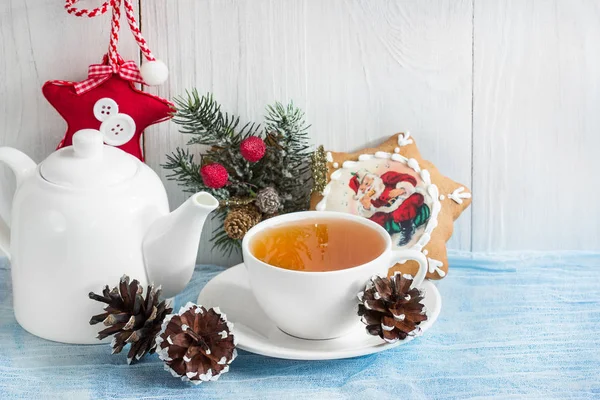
point(113, 55)
point(71, 9)
point(135, 29)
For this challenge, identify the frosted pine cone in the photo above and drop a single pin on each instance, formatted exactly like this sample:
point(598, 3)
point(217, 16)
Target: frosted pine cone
point(196, 344)
point(268, 200)
point(391, 309)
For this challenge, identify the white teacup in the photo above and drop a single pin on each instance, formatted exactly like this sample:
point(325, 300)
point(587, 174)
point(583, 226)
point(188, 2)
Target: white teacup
point(318, 305)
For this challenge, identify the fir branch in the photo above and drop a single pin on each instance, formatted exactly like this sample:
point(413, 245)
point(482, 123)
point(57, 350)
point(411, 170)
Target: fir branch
point(185, 172)
point(202, 117)
point(287, 169)
point(285, 165)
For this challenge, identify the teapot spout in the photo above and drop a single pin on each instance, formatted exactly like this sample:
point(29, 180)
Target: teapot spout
point(171, 243)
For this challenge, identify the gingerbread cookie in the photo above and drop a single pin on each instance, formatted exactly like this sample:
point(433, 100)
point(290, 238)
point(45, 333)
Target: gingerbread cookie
point(394, 187)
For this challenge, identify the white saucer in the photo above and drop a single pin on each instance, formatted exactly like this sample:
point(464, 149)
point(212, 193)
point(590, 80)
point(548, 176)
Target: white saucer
point(256, 333)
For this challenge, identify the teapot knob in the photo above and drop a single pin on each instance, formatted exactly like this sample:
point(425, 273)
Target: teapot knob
point(88, 143)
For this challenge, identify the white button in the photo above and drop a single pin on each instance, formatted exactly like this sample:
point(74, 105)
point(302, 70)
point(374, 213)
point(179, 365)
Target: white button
point(105, 108)
point(118, 129)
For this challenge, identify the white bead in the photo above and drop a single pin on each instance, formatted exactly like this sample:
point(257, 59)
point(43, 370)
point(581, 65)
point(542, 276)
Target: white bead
point(154, 72)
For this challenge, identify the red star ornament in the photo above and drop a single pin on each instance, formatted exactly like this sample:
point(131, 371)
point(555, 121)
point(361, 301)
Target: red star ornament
point(115, 107)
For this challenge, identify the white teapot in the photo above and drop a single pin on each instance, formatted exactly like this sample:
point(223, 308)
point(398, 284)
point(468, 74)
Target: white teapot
point(84, 217)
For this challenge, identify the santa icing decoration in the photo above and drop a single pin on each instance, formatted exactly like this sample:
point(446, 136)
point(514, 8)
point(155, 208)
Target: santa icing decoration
point(392, 201)
point(108, 99)
point(394, 187)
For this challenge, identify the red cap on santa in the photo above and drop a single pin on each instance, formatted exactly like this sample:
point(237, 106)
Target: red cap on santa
point(354, 183)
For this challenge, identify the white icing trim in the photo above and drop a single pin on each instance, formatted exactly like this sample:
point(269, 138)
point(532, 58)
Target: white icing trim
point(404, 139)
point(336, 165)
point(329, 157)
point(335, 175)
point(426, 177)
point(397, 150)
point(399, 158)
point(431, 188)
point(436, 266)
point(349, 164)
point(414, 164)
point(459, 194)
point(442, 197)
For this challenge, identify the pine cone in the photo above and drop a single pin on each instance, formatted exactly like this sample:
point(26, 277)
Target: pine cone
point(197, 344)
point(239, 220)
point(391, 309)
point(268, 201)
point(130, 317)
point(252, 211)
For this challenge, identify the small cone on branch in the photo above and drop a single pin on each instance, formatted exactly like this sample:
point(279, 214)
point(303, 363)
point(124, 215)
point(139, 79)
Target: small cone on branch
point(391, 309)
point(239, 220)
point(197, 344)
point(131, 318)
point(252, 211)
point(268, 200)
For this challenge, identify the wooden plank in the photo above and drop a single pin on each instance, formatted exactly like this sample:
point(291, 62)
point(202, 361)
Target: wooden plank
point(362, 70)
point(39, 41)
point(536, 124)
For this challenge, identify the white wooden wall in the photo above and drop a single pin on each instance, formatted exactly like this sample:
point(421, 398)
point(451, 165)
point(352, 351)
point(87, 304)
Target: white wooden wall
point(502, 95)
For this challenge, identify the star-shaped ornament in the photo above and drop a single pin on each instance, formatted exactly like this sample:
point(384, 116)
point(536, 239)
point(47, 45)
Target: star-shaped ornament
point(108, 101)
point(395, 187)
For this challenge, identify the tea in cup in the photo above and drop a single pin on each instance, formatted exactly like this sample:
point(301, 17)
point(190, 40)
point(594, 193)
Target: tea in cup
point(306, 269)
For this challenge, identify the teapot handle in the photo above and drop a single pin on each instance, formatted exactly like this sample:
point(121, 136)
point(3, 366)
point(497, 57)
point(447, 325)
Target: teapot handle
point(22, 166)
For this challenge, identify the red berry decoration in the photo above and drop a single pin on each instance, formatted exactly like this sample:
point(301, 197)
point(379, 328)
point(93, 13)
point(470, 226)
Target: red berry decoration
point(214, 176)
point(253, 148)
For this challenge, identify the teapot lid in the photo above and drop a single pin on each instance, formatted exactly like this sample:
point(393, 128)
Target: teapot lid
point(88, 163)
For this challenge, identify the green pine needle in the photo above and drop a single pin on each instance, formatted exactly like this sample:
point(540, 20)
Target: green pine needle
point(285, 166)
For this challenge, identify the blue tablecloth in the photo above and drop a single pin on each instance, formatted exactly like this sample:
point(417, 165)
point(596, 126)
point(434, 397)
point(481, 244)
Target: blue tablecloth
point(519, 326)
